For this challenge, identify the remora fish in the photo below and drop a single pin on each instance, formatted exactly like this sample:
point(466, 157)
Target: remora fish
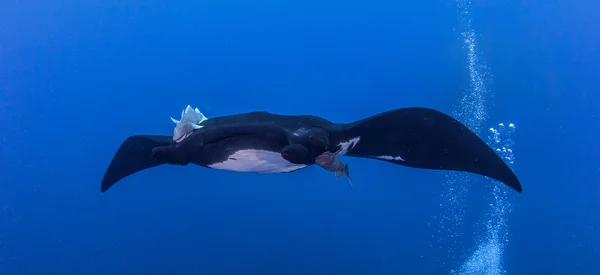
point(191, 119)
point(331, 162)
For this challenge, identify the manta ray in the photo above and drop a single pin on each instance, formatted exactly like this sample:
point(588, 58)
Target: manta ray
point(266, 143)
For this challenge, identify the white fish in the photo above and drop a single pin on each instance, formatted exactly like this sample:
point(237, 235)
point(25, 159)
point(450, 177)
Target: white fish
point(191, 119)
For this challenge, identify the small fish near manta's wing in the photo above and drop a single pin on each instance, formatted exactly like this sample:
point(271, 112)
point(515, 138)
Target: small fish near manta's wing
point(191, 119)
point(345, 171)
point(330, 162)
point(422, 138)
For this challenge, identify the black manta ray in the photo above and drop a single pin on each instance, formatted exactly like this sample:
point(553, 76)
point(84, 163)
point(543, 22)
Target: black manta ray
point(263, 142)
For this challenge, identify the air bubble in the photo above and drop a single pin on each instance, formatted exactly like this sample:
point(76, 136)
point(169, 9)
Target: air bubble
point(472, 111)
point(487, 257)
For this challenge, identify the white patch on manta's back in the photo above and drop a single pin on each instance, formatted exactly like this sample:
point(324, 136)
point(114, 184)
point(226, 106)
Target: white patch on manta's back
point(390, 158)
point(257, 161)
point(300, 132)
point(348, 145)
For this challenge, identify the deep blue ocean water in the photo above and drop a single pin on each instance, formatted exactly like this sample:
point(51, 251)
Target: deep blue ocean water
point(78, 77)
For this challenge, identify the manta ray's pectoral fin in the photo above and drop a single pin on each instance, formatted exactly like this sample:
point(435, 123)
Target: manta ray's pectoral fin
point(423, 138)
point(134, 155)
point(169, 154)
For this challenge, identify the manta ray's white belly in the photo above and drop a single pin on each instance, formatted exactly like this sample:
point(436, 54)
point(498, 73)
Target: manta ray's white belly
point(257, 161)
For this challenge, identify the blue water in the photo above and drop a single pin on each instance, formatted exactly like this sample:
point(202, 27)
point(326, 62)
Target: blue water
point(78, 77)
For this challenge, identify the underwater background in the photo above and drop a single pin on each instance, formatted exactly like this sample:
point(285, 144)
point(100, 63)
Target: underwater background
point(78, 77)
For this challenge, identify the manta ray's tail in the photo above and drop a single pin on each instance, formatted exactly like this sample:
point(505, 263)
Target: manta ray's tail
point(134, 155)
point(423, 138)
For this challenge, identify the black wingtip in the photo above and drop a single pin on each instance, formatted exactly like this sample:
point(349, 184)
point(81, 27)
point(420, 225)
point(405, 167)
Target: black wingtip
point(515, 184)
point(512, 183)
point(493, 166)
point(134, 155)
